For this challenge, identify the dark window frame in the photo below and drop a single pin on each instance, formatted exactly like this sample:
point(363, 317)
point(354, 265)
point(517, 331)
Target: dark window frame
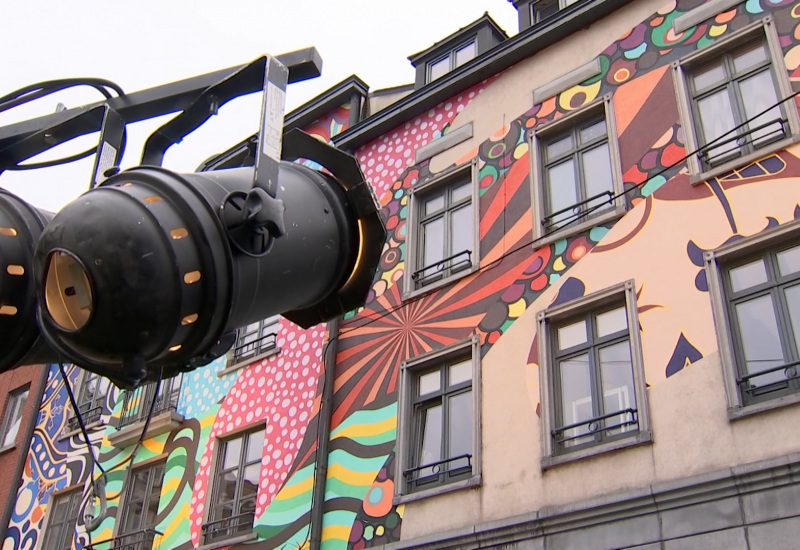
point(59, 533)
point(451, 56)
point(245, 351)
point(91, 407)
point(139, 535)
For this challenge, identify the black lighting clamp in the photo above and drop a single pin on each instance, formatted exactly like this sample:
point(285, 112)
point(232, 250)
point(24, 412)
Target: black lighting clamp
point(151, 269)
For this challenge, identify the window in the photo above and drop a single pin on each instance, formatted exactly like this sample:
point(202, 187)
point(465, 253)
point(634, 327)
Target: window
point(755, 285)
point(93, 390)
point(732, 95)
point(443, 239)
point(255, 340)
point(12, 417)
point(61, 520)
point(438, 449)
point(544, 9)
point(576, 171)
point(136, 527)
point(136, 404)
point(592, 380)
point(454, 58)
point(233, 496)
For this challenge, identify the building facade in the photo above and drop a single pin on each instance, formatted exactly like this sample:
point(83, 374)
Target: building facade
point(581, 334)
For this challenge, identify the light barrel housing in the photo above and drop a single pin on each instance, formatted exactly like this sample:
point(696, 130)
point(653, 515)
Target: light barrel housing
point(20, 228)
point(139, 274)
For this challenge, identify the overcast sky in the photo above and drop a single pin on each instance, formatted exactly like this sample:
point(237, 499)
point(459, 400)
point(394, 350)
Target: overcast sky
point(143, 43)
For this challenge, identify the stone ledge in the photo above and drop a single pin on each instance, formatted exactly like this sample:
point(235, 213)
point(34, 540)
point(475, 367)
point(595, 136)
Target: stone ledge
point(159, 424)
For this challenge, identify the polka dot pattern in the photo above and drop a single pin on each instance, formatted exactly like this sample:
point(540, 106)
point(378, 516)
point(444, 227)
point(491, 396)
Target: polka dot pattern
point(202, 389)
point(279, 391)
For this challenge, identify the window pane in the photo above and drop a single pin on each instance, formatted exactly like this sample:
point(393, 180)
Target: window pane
point(461, 233)
point(748, 275)
point(576, 396)
point(792, 295)
point(709, 76)
point(434, 204)
point(593, 131)
point(227, 486)
point(571, 335)
point(617, 380)
point(561, 188)
point(460, 372)
point(789, 261)
point(431, 430)
point(758, 94)
point(597, 173)
point(465, 54)
point(429, 382)
point(255, 446)
point(559, 147)
point(611, 321)
point(716, 119)
point(439, 68)
point(233, 450)
point(433, 243)
point(750, 58)
point(761, 343)
point(250, 479)
point(462, 191)
point(460, 433)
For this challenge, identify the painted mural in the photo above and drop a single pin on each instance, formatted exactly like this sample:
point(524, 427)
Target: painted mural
point(515, 276)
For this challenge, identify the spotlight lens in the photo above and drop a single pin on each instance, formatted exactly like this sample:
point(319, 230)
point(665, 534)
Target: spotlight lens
point(67, 292)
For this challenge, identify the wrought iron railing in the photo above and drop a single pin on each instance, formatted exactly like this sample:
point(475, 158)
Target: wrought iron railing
point(89, 415)
point(255, 347)
point(436, 468)
point(790, 372)
point(594, 425)
point(226, 528)
point(137, 540)
point(549, 222)
point(136, 403)
point(444, 267)
point(742, 140)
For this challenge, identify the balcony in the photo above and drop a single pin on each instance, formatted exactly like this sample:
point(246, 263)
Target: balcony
point(136, 406)
point(138, 540)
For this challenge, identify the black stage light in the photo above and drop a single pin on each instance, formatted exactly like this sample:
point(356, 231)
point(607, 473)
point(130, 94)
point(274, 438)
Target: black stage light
point(20, 227)
point(154, 269)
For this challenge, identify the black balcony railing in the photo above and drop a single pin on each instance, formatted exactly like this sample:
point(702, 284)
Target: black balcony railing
point(137, 540)
point(628, 419)
point(256, 347)
point(88, 413)
point(136, 403)
point(745, 140)
point(442, 268)
point(227, 528)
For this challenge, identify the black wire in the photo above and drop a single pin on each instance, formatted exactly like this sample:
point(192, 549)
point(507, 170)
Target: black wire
point(575, 217)
point(79, 417)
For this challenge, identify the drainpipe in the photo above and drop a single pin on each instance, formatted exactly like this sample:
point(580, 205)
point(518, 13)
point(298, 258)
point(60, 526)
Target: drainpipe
point(23, 452)
point(325, 412)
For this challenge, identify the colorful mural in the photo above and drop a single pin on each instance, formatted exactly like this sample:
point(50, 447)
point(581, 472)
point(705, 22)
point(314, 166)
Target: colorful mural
point(514, 277)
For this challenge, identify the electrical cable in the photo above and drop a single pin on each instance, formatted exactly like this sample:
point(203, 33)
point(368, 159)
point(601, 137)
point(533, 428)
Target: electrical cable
point(42, 89)
point(575, 217)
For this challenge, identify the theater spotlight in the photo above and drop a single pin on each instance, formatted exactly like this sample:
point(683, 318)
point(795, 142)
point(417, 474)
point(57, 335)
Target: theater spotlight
point(155, 269)
point(20, 227)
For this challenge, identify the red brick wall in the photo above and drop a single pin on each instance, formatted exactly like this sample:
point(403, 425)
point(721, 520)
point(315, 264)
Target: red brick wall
point(10, 381)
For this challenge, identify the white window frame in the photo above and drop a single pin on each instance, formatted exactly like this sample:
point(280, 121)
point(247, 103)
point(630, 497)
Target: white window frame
point(211, 488)
point(715, 261)
point(142, 540)
point(536, 139)
point(623, 292)
point(412, 243)
point(405, 419)
point(273, 323)
point(13, 413)
point(680, 72)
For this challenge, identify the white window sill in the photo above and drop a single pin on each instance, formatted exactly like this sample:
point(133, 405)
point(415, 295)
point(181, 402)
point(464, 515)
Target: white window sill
point(8, 448)
point(250, 360)
point(735, 413)
point(442, 282)
point(228, 542)
point(639, 438)
point(740, 162)
point(559, 234)
point(474, 481)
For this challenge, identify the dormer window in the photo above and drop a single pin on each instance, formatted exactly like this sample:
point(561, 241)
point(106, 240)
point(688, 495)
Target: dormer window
point(454, 58)
point(543, 9)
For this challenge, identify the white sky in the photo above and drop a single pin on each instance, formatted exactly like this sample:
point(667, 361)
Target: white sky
point(143, 43)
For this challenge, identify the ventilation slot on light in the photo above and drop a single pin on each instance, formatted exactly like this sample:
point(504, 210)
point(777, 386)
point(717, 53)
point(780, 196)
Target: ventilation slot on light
point(191, 277)
point(152, 198)
point(8, 310)
point(175, 348)
point(189, 319)
point(178, 233)
point(15, 270)
point(9, 231)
